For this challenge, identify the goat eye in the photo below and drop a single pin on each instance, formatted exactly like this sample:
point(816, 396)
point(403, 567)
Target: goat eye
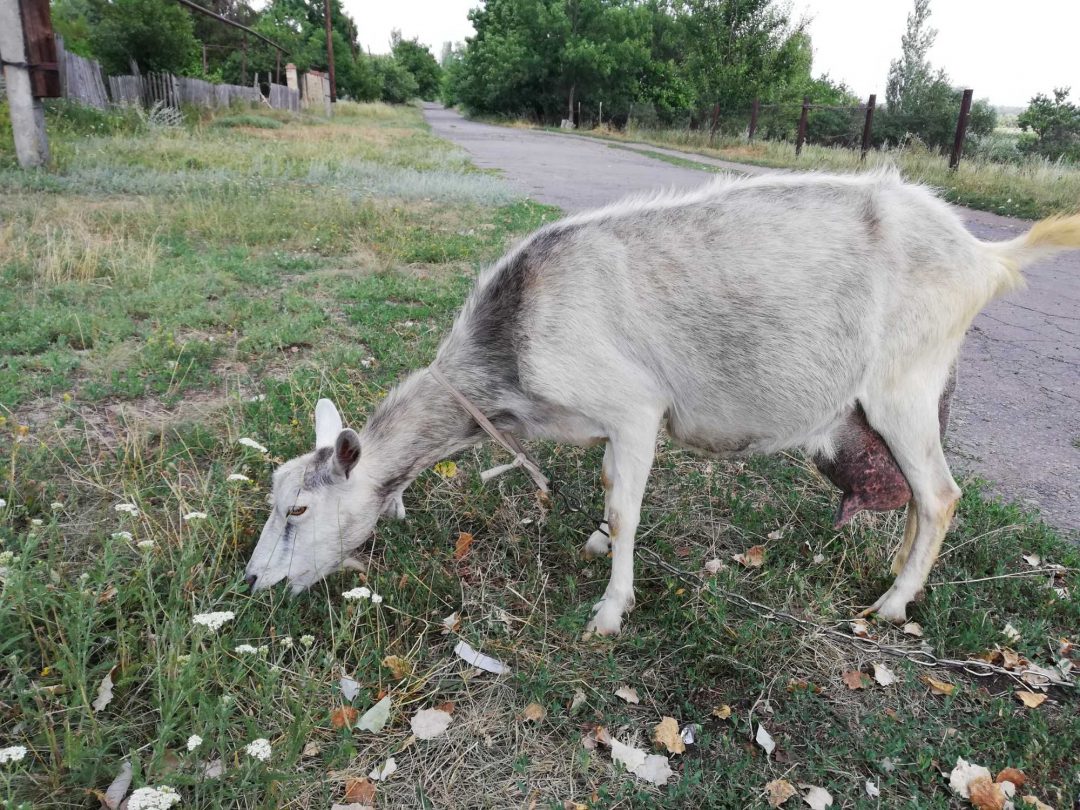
point(296, 511)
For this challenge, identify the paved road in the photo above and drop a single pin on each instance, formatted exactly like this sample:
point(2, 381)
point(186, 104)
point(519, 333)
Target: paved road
point(1016, 416)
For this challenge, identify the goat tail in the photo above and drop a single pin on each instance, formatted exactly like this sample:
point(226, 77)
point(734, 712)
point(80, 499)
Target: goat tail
point(1047, 236)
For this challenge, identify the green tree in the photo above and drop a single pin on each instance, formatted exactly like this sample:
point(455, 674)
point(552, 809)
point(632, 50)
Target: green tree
point(396, 84)
point(419, 62)
point(157, 36)
point(1055, 123)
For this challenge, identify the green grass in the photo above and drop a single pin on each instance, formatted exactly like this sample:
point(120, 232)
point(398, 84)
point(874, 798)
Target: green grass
point(1030, 187)
point(166, 293)
point(246, 120)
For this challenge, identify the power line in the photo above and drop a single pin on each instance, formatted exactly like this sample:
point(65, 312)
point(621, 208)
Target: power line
point(227, 21)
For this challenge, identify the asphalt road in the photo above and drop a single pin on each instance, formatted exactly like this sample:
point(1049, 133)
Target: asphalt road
point(1016, 414)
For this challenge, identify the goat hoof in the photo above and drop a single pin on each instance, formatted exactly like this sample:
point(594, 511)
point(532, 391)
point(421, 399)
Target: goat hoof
point(890, 607)
point(607, 620)
point(597, 545)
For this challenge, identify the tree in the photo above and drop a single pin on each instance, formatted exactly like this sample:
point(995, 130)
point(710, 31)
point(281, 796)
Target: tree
point(419, 62)
point(157, 36)
point(1055, 123)
point(921, 100)
point(910, 75)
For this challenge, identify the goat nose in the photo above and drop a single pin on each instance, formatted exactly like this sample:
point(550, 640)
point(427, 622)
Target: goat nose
point(250, 579)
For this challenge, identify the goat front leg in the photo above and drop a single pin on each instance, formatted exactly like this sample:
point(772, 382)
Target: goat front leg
point(631, 454)
point(599, 542)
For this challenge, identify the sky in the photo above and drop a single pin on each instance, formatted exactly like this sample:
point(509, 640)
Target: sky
point(1006, 50)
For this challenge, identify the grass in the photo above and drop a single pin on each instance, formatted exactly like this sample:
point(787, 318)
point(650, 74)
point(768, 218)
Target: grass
point(166, 293)
point(1030, 188)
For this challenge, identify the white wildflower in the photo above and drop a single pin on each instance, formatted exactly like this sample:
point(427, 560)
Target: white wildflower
point(3, 503)
point(7, 557)
point(193, 742)
point(195, 516)
point(145, 545)
point(257, 398)
point(227, 700)
point(213, 620)
point(307, 641)
point(260, 749)
point(121, 535)
point(358, 593)
point(183, 660)
point(376, 599)
point(254, 445)
point(36, 522)
point(130, 508)
point(56, 505)
point(286, 642)
point(238, 477)
point(247, 649)
point(147, 798)
point(12, 754)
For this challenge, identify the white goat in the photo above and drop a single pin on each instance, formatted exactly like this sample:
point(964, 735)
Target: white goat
point(748, 316)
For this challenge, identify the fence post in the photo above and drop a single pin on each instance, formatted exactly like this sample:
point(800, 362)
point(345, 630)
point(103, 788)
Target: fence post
point(577, 123)
point(870, 103)
point(755, 108)
point(27, 114)
point(715, 121)
point(803, 117)
point(961, 129)
point(601, 115)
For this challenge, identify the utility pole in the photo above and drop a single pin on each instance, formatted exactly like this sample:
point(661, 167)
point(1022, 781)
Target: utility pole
point(330, 53)
point(30, 74)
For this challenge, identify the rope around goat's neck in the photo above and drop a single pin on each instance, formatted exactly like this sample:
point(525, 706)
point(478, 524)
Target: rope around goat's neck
point(506, 440)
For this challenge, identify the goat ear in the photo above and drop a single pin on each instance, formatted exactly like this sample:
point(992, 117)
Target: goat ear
point(346, 451)
point(327, 423)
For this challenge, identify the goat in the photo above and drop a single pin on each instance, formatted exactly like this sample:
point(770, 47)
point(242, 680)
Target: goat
point(748, 316)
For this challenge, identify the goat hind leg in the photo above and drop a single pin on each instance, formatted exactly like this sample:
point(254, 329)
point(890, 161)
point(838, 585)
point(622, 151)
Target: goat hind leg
point(911, 431)
point(910, 529)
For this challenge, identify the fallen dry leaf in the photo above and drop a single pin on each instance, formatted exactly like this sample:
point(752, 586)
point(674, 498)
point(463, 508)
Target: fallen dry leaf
point(779, 791)
point(569, 805)
point(1032, 700)
point(714, 566)
point(1014, 775)
point(311, 750)
point(666, 734)
point(361, 791)
point(1033, 801)
point(722, 712)
point(107, 595)
point(104, 691)
point(446, 469)
point(429, 723)
point(1011, 633)
point(627, 693)
point(883, 675)
point(817, 797)
point(860, 628)
point(343, 717)
point(577, 701)
point(753, 557)
point(349, 687)
point(913, 629)
point(964, 774)
point(485, 662)
point(778, 534)
point(214, 769)
point(446, 706)
point(375, 718)
point(986, 795)
point(938, 687)
point(652, 768)
point(383, 773)
point(854, 679)
point(872, 790)
point(115, 793)
point(351, 806)
point(534, 712)
point(451, 623)
point(1034, 560)
point(399, 667)
point(765, 740)
point(461, 547)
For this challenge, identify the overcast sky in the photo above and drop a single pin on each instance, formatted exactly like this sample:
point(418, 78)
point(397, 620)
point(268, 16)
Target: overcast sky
point(1006, 50)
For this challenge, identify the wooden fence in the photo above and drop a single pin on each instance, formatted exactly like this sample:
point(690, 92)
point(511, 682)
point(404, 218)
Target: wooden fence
point(83, 80)
point(315, 91)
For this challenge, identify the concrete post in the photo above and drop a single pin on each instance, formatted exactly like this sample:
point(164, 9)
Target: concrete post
point(290, 77)
point(27, 114)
